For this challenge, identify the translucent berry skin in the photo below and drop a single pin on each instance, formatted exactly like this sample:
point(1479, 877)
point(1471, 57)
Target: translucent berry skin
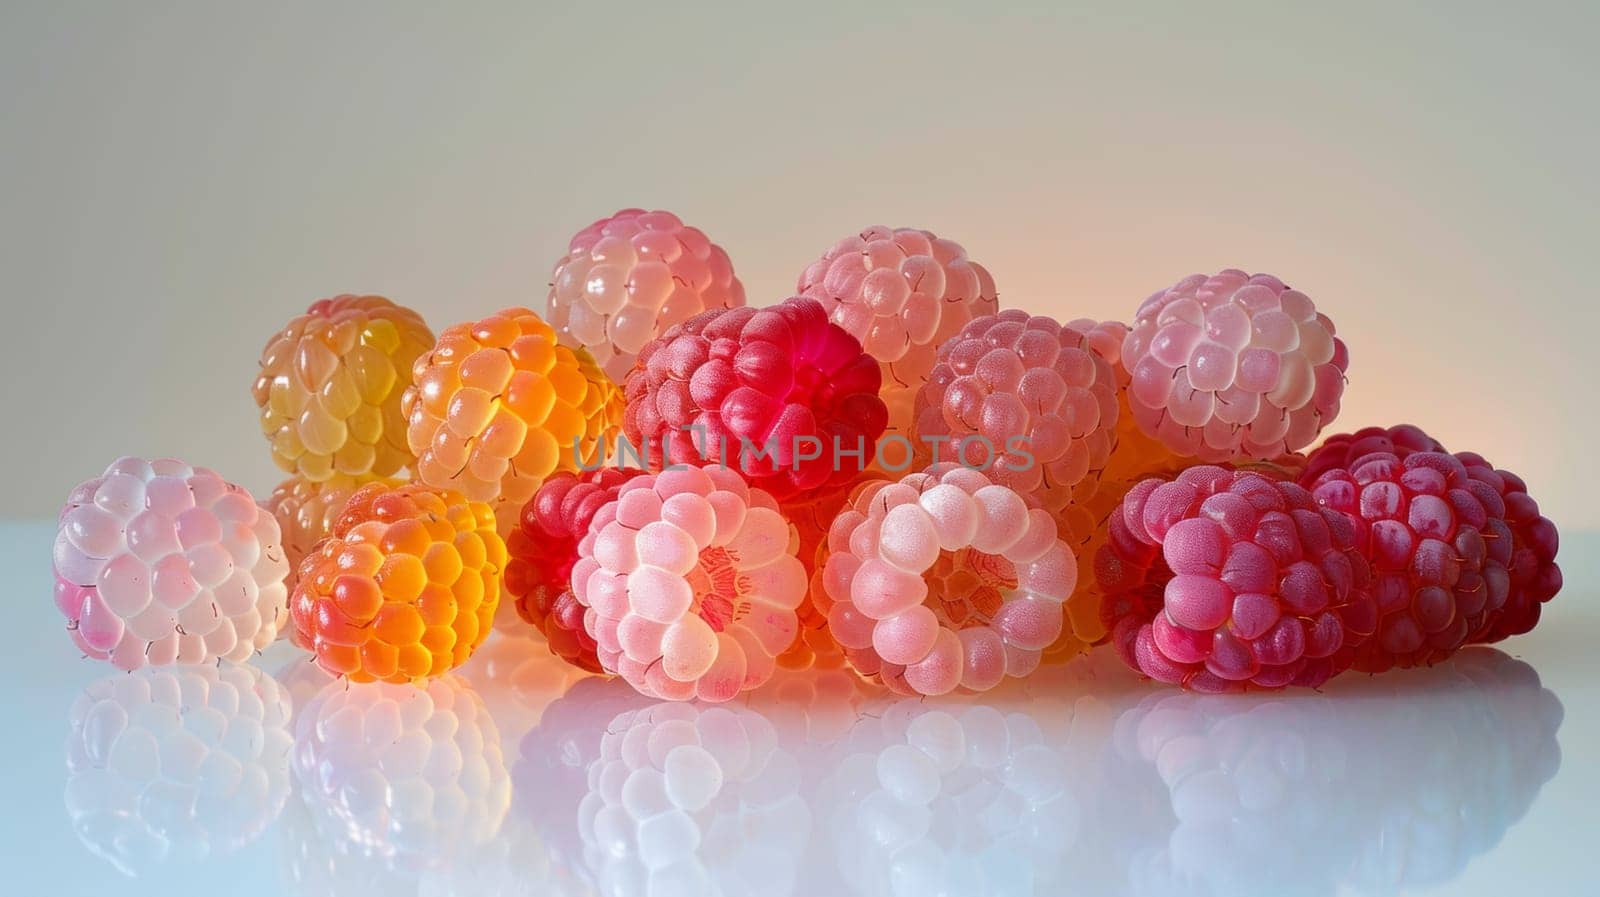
point(1224, 580)
point(689, 583)
point(1439, 547)
point(177, 763)
point(1231, 366)
point(543, 549)
point(414, 774)
point(1023, 398)
point(306, 512)
point(158, 562)
point(945, 580)
point(497, 406)
point(1345, 449)
point(405, 586)
point(330, 387)
point(1535, 575)
point(774, 378)
point(628, 278)
point(901, 292)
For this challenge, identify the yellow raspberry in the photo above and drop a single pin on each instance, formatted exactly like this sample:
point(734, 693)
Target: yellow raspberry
point(497, 405)
point(405, 587)
point(307, 510)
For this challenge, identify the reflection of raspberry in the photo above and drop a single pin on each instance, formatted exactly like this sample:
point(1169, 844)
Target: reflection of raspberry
point(158, 562)
point(690, 584)
point(412, 773)
point(1535, 576)
point(497, 406)
point(774, 378)
point(627, 278)
point(542, 550)
point(945, 580)
point(693, 800)
point(330, 386)
point(176, 763)
point(306, 512)
point(1439, 548)
point(1025, 399)
point(902, 293)
point(1222, 580)
point(405, 587)
point(1230, 366)
point(1345, 449)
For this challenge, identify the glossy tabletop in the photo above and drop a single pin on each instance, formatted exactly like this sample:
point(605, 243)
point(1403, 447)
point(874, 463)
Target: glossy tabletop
point(519, 776)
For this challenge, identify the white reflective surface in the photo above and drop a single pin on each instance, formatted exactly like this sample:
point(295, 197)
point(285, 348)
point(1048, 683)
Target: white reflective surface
point(518, 776)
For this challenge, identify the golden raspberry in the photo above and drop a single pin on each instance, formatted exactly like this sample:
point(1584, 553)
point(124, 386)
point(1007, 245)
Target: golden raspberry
point(497, 406)
point(307, 510)
point(404, 588)
point(331, 383)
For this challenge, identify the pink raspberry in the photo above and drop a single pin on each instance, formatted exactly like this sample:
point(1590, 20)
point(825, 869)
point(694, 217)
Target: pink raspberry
point(1224, 580)
point(627, 278)
point(1026, 400)
point(542, 550)
point(690, 584)
point(159, 562)
point(780, 392)
point(1439, 547)
point(945, 579)
point(1535, 576)
point(1231, 366)
point(1345, 449)
point(902, 293)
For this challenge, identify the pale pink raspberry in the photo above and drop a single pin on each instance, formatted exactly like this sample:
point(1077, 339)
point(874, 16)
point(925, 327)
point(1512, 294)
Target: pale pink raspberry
point(945, 580)
point(1231, 365)
point(159, 562)
point(690, 584)
point(902, 292)
point(627, 278)
point(1024, 399)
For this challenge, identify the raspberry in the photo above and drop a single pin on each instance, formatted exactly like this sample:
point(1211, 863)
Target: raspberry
point(497, 406)
point(543, 549)
point(159, 562)
point(690, 584)
point(685, 799)
point(1231, 366)
point(944, 580)
point(413, 774)
point(1224, 580)
point(1535, 576)
point(814, 646)
point(330, 386)
point(902, 293)
point(1439, 547)
point(1345, 449)
point(762, 388)
point(306, 512)
point(178, 763)
point(627, 278)
point(403, 588)
point(1025, 399)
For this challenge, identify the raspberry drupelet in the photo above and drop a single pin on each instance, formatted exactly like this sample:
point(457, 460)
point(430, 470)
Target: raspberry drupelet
point(331, 383)
point(690, 584)
point(902, 292)
point(944, 580)
point(1231, 366)
point(543, 549)
point(1346, 449)
point(628, 278)
point(497, 406)
point(1225, 580)
point(405, 586)
point(1023, 398)
point(781, 394)
point(306, 512)
point(159, 562)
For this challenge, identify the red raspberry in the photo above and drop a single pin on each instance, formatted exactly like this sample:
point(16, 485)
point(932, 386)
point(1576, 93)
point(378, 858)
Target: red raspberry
point(766, 376)
point(1439, 547)
point(1345, 449)
point(544, 546)
point(1224, 580)
point(1535, 576)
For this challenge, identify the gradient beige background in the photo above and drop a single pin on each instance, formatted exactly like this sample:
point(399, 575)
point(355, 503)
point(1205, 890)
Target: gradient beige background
point(178, 179)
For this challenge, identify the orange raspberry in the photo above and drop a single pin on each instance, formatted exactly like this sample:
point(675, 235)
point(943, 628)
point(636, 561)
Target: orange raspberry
point(307, 510)
point(330, 386)
point(405, 586)
point(497, 406)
